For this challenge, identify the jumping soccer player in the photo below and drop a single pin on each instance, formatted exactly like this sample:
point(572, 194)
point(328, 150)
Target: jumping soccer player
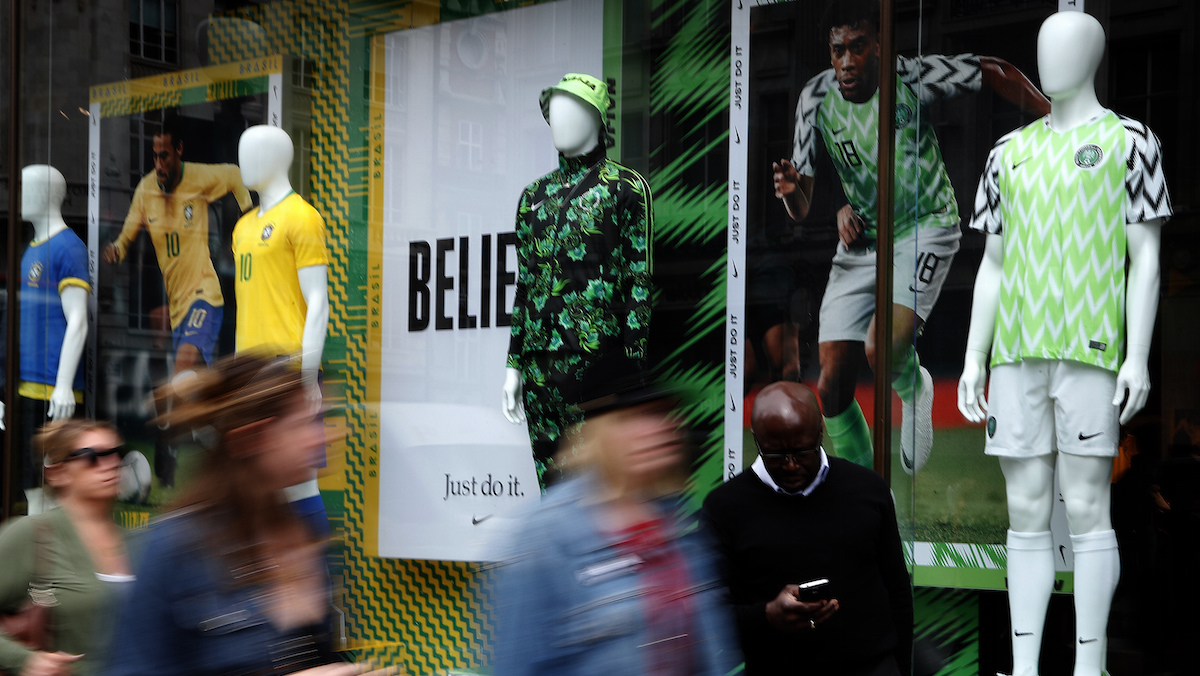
point(842, 104)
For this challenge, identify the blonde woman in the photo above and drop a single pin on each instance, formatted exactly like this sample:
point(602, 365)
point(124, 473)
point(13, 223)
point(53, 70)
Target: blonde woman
point(76, 549)
point(607, 576)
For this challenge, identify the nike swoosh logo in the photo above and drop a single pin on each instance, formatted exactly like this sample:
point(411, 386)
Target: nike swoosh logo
point(1017, 164)
point(735, 272)
point(476, 522)
point(1090, 436)
point(537, 206)
point(732, 406)
point(838, 132)
point(1022, 633)
point(904, 459)
point(1089, 640)
point(737, 138)
point(1062, 551)
point(910, 288)
point(151, 220)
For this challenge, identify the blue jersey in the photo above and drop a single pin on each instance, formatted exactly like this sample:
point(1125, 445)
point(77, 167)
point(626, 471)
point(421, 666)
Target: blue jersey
point(46, 269)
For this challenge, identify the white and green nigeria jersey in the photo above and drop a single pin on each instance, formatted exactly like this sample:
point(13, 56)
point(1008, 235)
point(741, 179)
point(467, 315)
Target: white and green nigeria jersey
point(923, 194)
point(1062, 201)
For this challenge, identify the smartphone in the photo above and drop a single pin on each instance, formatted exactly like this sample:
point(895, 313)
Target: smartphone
point(813, 590)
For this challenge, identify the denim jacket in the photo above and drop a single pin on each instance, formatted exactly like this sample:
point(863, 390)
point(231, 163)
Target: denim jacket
point(185, 615)
point(569, 600)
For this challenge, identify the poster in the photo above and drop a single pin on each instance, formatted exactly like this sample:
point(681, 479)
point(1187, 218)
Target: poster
point(164, 194)
point(953, 512)
point(464, 135)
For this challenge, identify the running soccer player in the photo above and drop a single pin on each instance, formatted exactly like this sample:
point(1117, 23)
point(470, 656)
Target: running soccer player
point(171, 203)
point(842, 104)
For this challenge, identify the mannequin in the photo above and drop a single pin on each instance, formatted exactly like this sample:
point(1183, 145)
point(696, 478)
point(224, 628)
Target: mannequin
point(583, 281)
point(1046, 342)
point(53, 300)
point(281, 287)
point(575, 131)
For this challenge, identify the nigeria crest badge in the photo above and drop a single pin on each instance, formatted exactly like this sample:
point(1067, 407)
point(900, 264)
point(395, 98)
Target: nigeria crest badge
point(1088, 156)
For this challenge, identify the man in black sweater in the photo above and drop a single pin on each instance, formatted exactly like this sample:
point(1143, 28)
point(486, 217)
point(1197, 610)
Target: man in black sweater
point(799, 515)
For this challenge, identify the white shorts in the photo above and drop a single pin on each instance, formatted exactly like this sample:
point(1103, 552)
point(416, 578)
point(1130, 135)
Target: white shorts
point(1038, 406)
point(921, 262)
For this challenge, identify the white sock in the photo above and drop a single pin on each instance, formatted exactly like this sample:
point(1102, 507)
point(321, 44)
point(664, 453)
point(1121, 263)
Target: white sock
point(1030, 583)
point(1097, 569)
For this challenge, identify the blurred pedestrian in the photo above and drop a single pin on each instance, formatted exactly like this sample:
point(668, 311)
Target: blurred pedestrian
point(75, 551)
point(607, 576)
point(232, 581)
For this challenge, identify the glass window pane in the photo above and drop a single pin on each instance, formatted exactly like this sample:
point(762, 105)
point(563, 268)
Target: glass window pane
point(152, 15)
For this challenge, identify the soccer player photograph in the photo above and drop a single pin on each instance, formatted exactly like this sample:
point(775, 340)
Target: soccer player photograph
point(840, 105)
point(172, 205)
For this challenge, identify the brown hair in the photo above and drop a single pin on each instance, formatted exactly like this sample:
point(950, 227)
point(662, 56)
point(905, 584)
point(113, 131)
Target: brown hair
point(236, 392)
point(55, 441)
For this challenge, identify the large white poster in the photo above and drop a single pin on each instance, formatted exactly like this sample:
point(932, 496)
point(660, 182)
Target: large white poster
point(464, 135)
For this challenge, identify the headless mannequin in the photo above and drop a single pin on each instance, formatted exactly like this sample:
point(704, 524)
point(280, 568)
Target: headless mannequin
point(42, 194)
point(575, 131)
point(264, 156)
point(1070, 46)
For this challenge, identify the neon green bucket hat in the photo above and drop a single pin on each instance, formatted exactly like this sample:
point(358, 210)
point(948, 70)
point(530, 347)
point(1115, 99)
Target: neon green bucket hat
point(584, 87)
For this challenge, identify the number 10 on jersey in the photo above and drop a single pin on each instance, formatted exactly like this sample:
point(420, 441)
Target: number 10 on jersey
point(245, 266)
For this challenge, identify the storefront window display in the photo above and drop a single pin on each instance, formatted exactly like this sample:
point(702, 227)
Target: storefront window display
point(748, 134)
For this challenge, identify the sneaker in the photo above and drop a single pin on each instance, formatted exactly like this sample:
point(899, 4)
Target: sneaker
point(922, 418)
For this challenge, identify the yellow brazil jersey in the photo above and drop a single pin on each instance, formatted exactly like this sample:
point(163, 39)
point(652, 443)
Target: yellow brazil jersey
point(178, 225)
point(270, 247)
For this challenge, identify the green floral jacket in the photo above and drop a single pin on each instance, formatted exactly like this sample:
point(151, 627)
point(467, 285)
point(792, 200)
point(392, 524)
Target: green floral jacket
point(583, 256)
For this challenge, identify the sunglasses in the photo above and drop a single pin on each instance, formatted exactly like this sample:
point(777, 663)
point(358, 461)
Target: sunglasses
point(93, 455)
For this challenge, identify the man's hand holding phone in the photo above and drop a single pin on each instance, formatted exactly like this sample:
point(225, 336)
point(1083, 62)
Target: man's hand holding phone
point(800, 607)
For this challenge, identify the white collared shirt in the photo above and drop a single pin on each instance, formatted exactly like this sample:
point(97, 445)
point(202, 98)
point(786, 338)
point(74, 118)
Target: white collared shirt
point(760, 468)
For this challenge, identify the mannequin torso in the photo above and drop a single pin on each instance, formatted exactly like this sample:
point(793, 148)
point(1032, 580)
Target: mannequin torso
point(265, 155)
point(52, 338)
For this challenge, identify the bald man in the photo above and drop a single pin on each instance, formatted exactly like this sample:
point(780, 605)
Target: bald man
point(800, 515)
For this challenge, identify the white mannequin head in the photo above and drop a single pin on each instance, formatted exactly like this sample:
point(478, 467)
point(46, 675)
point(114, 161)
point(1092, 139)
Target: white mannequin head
point(264, 156)
point(574, 125)
point(43, 189)
point(1069, 48)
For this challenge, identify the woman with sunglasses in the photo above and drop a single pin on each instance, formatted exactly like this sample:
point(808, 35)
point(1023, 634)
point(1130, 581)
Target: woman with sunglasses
point(76, 549)
point(233, 581)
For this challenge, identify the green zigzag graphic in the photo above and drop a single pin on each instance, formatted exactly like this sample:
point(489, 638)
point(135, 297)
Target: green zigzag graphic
point(689, 86)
